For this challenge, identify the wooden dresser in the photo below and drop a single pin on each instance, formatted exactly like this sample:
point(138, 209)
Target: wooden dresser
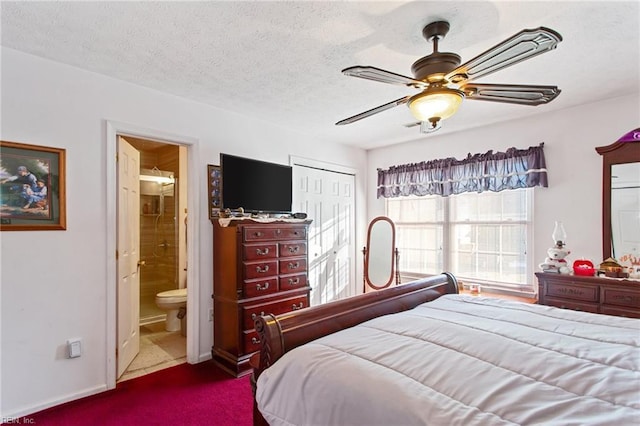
point(258, 268)
point(590, 294)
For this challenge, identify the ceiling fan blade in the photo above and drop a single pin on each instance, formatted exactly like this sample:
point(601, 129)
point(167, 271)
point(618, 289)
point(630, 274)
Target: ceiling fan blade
point(383, 76)
point(373, 111)
point(511, 93)
point(524, 45)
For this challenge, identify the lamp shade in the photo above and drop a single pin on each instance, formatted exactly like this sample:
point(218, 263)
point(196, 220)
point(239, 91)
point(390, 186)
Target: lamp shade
point(440, 103)
point(559, 235)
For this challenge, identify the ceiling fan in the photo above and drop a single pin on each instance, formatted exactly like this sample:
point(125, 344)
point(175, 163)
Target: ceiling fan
point(444, 83)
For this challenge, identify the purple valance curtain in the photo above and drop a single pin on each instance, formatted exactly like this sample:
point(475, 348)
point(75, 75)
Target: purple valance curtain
point(516, 168)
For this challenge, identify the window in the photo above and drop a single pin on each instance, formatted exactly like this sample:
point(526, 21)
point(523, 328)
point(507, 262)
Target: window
point(479, 237)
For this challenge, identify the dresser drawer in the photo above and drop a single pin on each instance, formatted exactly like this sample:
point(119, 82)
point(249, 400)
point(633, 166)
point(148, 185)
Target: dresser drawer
point(571, 304)
point(610, 296)
point(251, 341)
point(293, 265)
point(259, 269)
point(267, 233)
point(260, 287)
point(275, 308)
point(575, 292)
point(620, 297)
point(259, 251)
point(293, 282)
point(292, 248)
point(619, 312)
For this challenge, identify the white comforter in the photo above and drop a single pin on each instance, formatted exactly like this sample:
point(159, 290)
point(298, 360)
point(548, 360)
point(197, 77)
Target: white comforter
point(462, 360)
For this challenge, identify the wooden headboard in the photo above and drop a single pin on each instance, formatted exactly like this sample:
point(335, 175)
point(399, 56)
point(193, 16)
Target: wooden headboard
point(281, 333)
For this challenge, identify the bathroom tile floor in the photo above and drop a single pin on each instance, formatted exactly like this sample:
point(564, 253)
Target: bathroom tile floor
point(159, 349)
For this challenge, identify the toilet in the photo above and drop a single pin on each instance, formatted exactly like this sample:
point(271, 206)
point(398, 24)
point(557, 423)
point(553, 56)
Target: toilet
point(173, 301)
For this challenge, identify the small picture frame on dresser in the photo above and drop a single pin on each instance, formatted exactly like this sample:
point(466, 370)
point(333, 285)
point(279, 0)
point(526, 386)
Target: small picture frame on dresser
point(214, 186)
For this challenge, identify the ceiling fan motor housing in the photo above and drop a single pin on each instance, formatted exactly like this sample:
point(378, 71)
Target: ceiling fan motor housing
point(434, 67)
point(437, 65)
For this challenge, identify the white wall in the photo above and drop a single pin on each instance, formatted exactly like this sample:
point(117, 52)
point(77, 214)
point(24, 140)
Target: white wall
point(53, 283)
point(574, 195)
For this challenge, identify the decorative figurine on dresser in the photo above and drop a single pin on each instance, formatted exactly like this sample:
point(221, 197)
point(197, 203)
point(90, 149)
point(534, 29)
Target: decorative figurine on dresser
point(259, 267)
point(555, 261)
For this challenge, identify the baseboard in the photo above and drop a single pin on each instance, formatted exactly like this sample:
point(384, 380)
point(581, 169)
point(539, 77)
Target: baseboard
point(206, 356)
point(25, 411)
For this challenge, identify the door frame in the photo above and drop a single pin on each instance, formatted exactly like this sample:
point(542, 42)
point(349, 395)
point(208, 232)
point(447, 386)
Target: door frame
point(113, 129)
point(337, 168)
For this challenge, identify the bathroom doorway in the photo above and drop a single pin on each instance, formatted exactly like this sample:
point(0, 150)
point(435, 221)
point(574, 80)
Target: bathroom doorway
point(162, 270)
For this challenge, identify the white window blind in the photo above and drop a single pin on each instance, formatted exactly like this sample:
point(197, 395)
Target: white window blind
point(480, 237)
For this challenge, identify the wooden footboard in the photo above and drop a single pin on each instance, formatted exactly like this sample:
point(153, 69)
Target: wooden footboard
point(281, 333)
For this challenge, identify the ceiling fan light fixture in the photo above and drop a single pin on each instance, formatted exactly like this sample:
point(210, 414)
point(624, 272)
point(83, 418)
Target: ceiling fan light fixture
point(440, 103)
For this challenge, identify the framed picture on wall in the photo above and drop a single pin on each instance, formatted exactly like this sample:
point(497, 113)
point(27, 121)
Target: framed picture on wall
point(32, 187)
point(214, 187)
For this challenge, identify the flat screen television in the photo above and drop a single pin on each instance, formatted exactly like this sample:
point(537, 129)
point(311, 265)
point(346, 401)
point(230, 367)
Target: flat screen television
point(256, 186)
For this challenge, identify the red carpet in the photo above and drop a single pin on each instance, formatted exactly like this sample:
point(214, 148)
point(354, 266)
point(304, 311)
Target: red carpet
point(200, 394)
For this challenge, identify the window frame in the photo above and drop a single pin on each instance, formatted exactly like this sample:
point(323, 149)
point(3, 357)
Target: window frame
point(527, 289)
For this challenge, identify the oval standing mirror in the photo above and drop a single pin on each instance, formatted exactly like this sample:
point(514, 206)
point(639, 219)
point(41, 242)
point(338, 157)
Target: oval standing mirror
point(380, 254)
point(621, 197)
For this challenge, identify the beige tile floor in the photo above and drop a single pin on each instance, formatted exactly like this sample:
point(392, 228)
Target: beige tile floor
point(159, 349)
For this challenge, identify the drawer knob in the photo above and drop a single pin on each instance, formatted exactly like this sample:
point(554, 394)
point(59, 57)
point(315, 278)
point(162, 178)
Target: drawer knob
point(258, 234)
point(278, 231)
point(262, 287)
point(295, 281)
point(262, 252)
point(296, 307)
point(293, 249)
point(255, 340)
point(294, 265)
point(262, 270)
point(254, 315)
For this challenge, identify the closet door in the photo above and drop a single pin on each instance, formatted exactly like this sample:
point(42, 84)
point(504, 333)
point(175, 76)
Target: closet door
point(328, 198)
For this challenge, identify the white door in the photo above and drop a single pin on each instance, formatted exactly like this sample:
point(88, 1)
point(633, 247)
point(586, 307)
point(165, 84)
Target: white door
point(328, 199)
point(128, 249)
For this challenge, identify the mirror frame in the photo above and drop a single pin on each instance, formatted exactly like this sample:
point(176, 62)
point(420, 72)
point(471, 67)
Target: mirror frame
point(624, 150)
point(367, 251)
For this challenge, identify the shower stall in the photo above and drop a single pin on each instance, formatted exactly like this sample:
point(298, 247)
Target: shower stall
point(158, 240)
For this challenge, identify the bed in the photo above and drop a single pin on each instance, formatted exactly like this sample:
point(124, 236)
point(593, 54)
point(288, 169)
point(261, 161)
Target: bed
point(422, 354)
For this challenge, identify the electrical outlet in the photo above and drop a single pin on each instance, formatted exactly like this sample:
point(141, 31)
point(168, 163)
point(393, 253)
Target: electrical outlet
point(210, 314)
point(74, 347)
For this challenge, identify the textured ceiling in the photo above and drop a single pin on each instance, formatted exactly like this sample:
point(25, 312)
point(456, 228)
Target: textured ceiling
point(281, 61)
